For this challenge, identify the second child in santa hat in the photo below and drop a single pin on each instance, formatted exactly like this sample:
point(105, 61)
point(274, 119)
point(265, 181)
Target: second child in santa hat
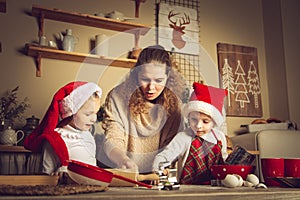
point(202, 144)
point(64, 133)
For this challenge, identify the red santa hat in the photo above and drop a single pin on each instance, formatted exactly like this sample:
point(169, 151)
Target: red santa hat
point(208, 100)
point(66, 102)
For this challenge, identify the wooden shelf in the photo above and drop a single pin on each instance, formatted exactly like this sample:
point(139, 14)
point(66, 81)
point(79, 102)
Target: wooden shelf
point(10, 148)
point(40, 52)
point(46, 52)
point(88, 20)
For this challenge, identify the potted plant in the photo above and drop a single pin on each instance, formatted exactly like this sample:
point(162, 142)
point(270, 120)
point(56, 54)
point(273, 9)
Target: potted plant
point(11, 109)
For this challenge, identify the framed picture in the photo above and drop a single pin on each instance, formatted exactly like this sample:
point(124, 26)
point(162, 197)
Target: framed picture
point(238, 67)
point(178, 29)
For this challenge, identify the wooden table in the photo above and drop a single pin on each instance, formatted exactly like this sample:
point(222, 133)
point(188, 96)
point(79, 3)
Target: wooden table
point(185, 192)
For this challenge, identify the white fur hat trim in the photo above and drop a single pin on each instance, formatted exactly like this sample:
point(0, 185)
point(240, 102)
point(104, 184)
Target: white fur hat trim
point(75, 100)
point(206, 108)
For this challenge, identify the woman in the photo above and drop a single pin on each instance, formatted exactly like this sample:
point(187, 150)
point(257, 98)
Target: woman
point(143, 113)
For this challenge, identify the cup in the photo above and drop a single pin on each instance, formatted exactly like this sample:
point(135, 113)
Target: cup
point(271, 168)
point(292, 167)
point(101, 45)
point(43, 40)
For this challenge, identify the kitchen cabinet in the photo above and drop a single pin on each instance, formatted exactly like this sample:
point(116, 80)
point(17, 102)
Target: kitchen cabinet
point(39, 52)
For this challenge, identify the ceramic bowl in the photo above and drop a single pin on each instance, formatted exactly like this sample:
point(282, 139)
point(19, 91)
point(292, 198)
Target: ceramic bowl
point(86, 174)
point(220, 171)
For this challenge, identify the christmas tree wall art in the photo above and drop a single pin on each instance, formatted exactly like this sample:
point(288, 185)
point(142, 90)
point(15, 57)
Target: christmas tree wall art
point(238, 67)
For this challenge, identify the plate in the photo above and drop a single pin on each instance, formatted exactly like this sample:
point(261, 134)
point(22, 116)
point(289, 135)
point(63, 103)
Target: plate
point(288, 181)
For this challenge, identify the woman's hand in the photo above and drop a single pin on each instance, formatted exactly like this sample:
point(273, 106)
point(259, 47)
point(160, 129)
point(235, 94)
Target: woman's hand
point(127, 163)
point(122, 160)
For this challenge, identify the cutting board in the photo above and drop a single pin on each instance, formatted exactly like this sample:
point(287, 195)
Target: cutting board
point(28, 180)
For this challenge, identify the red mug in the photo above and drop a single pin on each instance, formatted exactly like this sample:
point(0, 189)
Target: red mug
point(272, 167)
point(292, 167)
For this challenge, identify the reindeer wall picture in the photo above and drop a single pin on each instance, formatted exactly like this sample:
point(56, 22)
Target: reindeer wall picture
point(238, 67)
point(178, 29)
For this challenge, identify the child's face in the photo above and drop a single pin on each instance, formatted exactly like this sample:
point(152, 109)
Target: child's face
point(200, 123)
point(86, 115)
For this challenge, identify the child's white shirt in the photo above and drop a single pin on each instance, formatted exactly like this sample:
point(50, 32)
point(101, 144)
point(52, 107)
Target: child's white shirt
point(80, 144)
point(81, 147)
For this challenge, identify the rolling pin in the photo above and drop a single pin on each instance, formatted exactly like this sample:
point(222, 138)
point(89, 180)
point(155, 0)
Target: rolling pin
point(147, 177)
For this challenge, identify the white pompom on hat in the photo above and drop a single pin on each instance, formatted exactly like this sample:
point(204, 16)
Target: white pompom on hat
point(208, 100)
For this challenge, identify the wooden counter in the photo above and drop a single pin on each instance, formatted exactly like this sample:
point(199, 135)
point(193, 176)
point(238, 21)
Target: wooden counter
point(185, 192)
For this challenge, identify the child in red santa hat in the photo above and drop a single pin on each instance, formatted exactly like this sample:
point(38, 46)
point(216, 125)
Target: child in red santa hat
point(64, 133)
point(202, 144)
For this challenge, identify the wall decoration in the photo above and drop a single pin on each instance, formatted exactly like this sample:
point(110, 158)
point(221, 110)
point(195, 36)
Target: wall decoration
point(238, 67)
point(178, 28)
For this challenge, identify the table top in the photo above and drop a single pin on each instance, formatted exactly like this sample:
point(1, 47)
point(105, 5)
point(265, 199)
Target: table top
point(185, 192)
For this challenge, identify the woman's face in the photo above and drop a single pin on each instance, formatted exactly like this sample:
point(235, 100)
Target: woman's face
point(200, 123)
point(152, 79)
point(86, 116)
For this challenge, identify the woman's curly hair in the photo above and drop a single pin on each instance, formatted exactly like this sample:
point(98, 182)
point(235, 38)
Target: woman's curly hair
point(175, 92)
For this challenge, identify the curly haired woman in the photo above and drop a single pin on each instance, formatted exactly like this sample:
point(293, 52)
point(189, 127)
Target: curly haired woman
point(143, 113)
